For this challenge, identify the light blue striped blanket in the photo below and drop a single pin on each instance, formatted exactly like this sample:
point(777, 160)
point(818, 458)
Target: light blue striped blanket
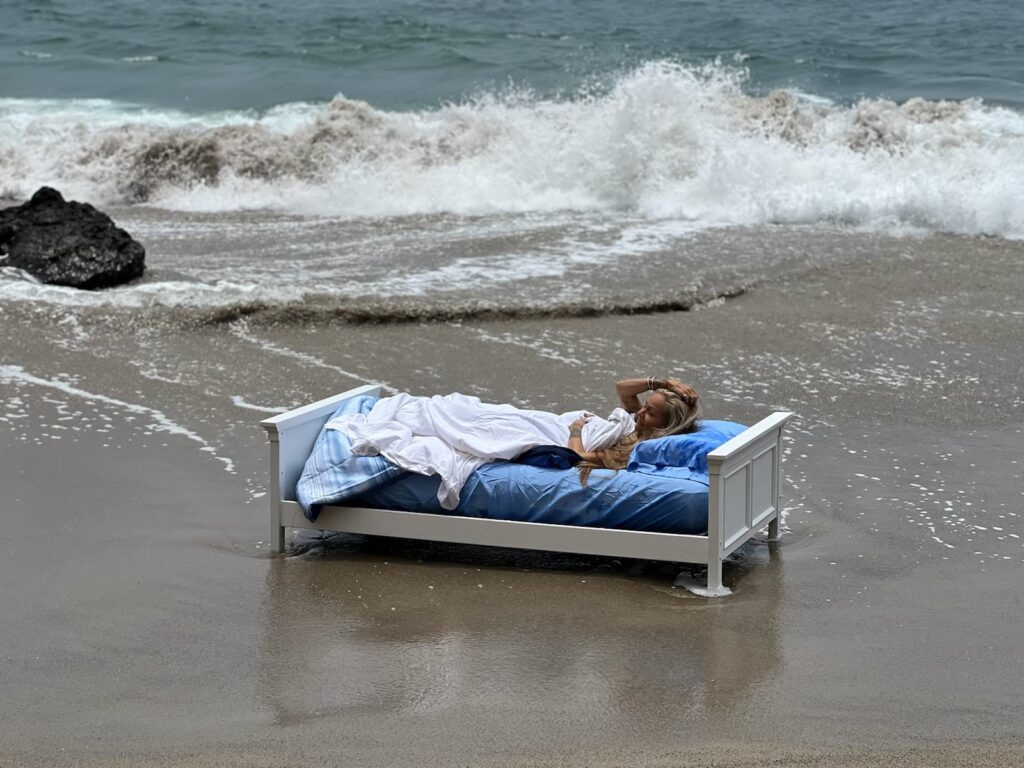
point(333, 472)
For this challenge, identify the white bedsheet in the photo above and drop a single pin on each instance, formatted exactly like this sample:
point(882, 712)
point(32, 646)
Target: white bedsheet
point(454, 434)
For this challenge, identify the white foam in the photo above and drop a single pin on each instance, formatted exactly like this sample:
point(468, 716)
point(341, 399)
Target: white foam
point(165, 293)
point(662, 141)
point(241, 330)
point(700, 588)
point(554, 260)
point(587, 246)
point(15, 373)
point(241, 402)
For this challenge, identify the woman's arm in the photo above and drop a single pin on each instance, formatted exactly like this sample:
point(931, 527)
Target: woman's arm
point(628, 389)
point(576, 443)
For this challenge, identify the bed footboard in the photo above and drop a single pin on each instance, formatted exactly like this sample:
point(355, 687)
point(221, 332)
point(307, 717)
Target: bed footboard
point(291, 437)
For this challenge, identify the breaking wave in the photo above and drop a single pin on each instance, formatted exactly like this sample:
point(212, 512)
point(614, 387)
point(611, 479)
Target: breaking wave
point(408, 312)
point(198, 304)
point(663, 140)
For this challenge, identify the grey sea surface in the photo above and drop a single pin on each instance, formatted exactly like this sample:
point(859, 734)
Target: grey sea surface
point(401, 54)
point(144, 622)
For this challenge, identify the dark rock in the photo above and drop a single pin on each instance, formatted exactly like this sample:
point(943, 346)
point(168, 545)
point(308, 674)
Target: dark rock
point(68, 243)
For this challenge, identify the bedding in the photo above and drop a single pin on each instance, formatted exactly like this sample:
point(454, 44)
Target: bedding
point(653, 495)
point(333, 473)
point(452, 435)
point(690, 450)
point(666, 500)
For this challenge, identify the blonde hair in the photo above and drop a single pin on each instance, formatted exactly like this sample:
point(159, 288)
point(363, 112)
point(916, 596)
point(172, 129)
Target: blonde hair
point(680, 418)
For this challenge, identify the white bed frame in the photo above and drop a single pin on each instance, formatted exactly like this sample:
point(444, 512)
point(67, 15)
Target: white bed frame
point(743, 498)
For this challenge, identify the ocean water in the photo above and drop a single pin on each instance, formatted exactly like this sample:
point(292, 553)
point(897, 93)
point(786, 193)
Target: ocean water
point(272, 152)
point(234, 55)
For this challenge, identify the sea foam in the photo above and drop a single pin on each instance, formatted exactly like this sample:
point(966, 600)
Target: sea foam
point(662, 141)
point(159, 421)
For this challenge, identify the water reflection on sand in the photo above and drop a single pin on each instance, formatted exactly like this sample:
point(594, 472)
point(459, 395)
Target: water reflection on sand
point(356, 627)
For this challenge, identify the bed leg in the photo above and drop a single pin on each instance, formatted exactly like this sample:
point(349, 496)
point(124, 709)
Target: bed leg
point(277, 539)
point(715, 576)
point(773, 526)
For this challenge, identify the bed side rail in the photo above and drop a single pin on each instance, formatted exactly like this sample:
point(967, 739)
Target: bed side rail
point(744, 490)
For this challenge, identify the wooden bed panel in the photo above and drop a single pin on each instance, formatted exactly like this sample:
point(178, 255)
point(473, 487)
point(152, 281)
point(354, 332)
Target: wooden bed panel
point(736, 512)
point(763, 490)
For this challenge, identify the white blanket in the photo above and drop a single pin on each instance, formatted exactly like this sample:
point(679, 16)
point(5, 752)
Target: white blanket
point(452, 435)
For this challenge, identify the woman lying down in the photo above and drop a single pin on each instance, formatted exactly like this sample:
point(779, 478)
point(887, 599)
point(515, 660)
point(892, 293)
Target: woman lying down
point(452, 435)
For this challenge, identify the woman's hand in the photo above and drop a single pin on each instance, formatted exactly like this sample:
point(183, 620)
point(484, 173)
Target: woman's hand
point(576, 441)
point(578, 424)
point(576, 433)
point(688, 394)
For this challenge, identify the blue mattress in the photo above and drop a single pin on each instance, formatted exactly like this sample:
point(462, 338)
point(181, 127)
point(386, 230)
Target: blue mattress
point(666, 500)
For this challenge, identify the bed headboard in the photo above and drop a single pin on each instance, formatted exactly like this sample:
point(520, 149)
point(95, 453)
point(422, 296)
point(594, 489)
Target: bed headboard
point(744, 489)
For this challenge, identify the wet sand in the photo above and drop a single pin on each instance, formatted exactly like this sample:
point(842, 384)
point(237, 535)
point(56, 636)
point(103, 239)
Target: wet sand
point(143, 623)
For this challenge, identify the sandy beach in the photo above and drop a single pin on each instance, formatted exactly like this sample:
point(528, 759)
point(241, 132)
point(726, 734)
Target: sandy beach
point(145, 625)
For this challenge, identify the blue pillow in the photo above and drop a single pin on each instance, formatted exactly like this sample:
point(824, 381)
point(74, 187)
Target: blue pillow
point(332, 473)
point(690, 450)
